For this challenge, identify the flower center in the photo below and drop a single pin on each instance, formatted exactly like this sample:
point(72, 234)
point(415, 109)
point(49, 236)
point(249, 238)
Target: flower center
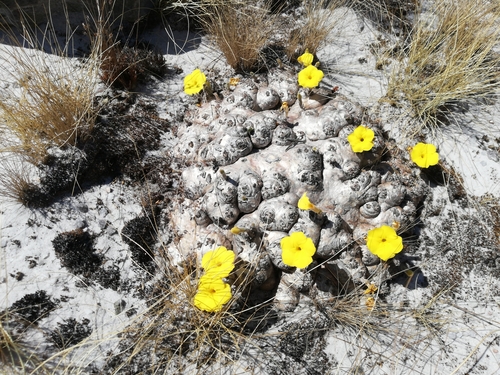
point(422, 156)
point(362, 139)
point(383, 240)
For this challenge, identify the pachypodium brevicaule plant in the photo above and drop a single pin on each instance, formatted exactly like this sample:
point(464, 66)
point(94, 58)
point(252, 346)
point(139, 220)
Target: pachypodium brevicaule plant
point(291, 196)
point(213, 293)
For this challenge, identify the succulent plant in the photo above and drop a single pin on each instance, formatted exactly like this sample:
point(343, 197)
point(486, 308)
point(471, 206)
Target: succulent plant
point(252, 162)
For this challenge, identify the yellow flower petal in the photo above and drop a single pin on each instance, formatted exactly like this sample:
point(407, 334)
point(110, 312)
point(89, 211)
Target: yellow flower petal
point(372, 288)
point(424, 155)
point(297, 250)
point(305, 204)
point(306, 58)
point(361, 139)
point(212, 295)
point(194, 82)
point(370, 303)
point(310, 77)
point(218, 262)
point(236, 230)
point(384, 242)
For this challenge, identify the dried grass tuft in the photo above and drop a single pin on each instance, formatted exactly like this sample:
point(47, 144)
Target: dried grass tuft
point(47, 104)
point(315, 29)
point(240, 30)
point(451, 57)
point(120, 66)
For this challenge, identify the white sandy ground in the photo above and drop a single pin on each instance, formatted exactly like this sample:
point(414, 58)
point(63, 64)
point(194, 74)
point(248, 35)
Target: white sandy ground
point(458, 335)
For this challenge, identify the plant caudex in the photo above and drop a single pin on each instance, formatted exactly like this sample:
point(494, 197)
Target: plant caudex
point(306, 58)
point(384, 242)
point(424, 155)
point(297, 250)
point(194, 82)
point(213, 292)
point(305, 204)
point(361, 139)
point(310, 77)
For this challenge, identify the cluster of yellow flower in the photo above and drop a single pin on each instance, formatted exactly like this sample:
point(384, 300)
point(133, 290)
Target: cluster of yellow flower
point(213, 292)
point(297, 249)
point(422, 154)
point(310, 76)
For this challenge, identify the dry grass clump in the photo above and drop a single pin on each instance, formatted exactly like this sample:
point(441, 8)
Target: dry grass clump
point(312, 33)
point(240, 30)
point(15, 355)
point(392, 15)
point(173, 336)
point(18, 178)
point(52, 108)
point(120, 66)
point(47, 104)
point(9, 350)
point(450, 57)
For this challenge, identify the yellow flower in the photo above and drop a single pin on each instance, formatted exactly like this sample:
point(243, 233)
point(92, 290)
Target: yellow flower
point(361, 139)
point(310, 77)
point(218, 263)
point(194, 82)
point(306, 58)
point(297, 250)
point(212, 294)
point(370, 303)
point(384, 242)
point(305, 204)
point(424, 155)
point(372, 288)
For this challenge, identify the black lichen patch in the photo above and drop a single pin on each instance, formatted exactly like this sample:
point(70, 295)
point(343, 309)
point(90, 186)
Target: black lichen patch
point(140, 235)
point(70, 333)
point(109, 278)
point(61, 169)
point(466, 245)
point(34, 196)
point(75, 250)
point(32, 307)
point(123, 134)
point(301, 338)
point(445, 175)
point(126, 67)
